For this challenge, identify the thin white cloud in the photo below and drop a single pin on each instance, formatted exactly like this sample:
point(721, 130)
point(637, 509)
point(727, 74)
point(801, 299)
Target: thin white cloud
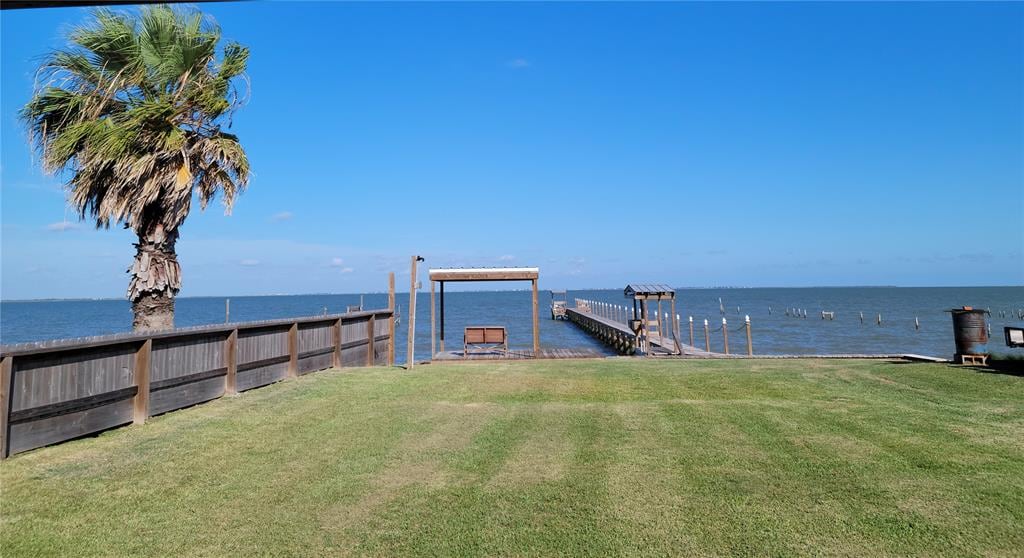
point(347, 270)
point(249, 263)
point(62, 226)
point(506, 258)
point(282, 216)
point(337, 262)
point(518, 63)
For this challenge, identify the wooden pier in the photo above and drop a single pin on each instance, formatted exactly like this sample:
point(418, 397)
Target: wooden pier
point(623, 340)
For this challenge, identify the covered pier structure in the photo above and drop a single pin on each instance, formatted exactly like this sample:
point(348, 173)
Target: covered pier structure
point(476, 274)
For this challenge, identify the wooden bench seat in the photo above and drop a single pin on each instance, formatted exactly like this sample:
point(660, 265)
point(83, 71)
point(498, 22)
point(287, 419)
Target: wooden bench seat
point(484, 339)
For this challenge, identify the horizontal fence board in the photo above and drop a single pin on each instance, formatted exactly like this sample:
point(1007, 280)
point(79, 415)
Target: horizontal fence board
point(316, 347)
point(316, 360)
point(173, 358)
point(72, 406)
point(315, 336)
point(262, 376)
point(38, 433)
point(185, 395)
point(58, 345)
point(54, 377)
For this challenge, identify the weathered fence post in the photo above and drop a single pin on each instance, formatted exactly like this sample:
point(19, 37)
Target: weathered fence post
point(370, 335)
point(391, 321)
point(707, 338)
point(293, 350)
point(750, 344)
point(142, 368)
point(691, 332)
point(227, 310)
point(6, 375)
point(231, 363)
point(336, 343)
point(725, 335)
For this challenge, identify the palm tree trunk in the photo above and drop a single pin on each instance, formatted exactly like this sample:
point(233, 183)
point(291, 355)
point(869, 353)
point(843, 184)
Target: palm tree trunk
point(155, 279)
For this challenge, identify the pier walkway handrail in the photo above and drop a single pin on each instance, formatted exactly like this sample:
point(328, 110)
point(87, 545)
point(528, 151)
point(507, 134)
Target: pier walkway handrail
point(53, 391)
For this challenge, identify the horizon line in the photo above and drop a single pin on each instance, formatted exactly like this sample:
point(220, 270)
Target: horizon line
point(405, 292)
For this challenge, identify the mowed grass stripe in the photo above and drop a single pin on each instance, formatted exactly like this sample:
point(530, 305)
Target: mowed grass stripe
point(605, 457)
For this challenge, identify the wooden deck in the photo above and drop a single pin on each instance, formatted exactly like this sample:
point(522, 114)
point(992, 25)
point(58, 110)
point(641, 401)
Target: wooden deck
point(522, 354)
point(665, 346)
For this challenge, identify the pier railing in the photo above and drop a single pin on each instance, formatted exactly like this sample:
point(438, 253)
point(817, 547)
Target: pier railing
point(610, 323)
point(59, 390)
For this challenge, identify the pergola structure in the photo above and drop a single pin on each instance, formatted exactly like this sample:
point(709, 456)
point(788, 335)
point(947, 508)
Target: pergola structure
point(448, 275)
point(642, 294)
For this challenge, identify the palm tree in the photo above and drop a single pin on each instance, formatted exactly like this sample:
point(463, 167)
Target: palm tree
point(132, 112)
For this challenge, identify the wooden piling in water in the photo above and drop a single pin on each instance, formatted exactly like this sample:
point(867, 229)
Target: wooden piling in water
point(725, 335)
point(750, 343)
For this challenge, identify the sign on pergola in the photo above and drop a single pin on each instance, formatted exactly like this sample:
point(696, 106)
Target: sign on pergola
point(466, 274)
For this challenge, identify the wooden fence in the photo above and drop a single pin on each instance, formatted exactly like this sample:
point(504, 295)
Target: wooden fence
point(55, 391)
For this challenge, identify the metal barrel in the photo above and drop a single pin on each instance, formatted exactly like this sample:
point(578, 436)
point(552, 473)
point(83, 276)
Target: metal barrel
point(969, 331)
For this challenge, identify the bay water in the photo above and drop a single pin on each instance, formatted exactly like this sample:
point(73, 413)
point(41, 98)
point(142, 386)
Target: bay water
point(773, 333)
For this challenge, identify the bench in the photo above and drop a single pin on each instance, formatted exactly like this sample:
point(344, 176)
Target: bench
point(484, 339)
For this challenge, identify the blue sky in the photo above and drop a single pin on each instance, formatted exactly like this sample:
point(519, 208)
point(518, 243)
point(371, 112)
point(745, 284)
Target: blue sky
point(695, 144)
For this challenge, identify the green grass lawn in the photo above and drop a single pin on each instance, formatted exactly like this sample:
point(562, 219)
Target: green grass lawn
point(603, 457)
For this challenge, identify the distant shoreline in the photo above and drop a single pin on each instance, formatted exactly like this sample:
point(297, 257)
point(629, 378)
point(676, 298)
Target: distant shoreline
point(406, 293)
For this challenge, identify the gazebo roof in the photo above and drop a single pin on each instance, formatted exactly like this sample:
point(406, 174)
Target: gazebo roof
point(485, 274)
point(648, 290)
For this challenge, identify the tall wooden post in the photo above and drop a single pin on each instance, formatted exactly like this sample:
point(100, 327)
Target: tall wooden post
point(142, 369)
point(391, 322)
point(707, 339)
point(336, 341)
point(371, 337)
point(6, 376)
point(231, 363)
point(691, 332)
point(293, 350)
point(433, 323)
point(750, 344)
point(411, 341)
point(725, 335)
point(227, 310)
point(536, 321)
